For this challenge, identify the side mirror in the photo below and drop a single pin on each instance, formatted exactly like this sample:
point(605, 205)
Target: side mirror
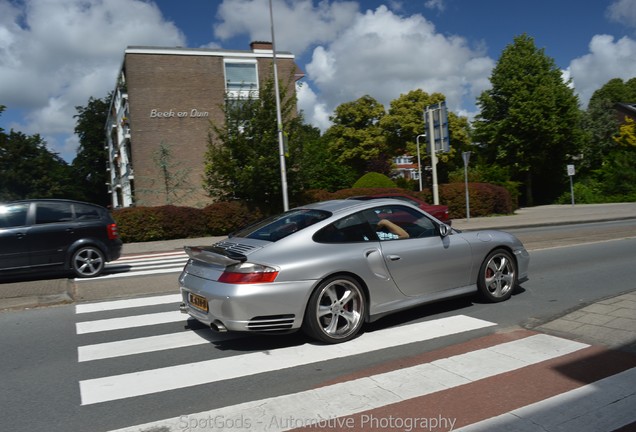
point(444, 230)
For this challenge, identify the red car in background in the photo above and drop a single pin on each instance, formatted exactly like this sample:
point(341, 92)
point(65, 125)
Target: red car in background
point(438, 211)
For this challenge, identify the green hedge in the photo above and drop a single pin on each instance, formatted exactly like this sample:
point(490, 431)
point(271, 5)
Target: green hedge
point(485, 199)
point(140, 224)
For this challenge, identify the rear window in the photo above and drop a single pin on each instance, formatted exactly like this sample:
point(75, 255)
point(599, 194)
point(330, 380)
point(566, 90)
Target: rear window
point(13, 215)
point(86, 212)
point(282, 225)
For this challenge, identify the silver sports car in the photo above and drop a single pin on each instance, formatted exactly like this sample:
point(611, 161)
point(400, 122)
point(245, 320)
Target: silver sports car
point(329, 267)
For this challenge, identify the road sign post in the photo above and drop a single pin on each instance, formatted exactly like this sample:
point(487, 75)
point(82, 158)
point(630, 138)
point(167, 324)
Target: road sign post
point(571, 172)
point(466, 157)
point(436, 121)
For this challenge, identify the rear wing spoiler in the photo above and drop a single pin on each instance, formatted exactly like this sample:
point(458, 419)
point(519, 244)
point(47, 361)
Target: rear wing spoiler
point(214, 255)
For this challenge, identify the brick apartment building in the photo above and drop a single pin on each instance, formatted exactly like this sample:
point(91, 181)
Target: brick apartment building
point(159, 121)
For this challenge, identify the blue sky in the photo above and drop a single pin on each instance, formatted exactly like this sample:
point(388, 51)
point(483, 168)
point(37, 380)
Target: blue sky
point(55, 54)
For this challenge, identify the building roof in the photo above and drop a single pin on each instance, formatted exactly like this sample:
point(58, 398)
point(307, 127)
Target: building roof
point(256, 52)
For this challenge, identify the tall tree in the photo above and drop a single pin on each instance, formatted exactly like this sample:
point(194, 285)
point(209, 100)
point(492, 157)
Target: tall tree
point(600, 122)
point(529, 120)
point(356, 138)
point(89, 165)
point(404, 121)
point(243, 159)
point(29, 170)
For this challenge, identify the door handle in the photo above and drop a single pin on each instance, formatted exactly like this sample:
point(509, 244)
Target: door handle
point(394, 257)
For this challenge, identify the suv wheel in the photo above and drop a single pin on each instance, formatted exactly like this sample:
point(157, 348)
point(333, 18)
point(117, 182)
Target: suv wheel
point(87, 261)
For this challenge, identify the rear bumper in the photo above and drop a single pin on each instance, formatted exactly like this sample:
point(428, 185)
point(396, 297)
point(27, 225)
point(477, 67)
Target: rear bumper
point(247, 308)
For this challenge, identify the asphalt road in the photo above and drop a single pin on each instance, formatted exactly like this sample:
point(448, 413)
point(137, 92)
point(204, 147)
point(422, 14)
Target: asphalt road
point(58, 375)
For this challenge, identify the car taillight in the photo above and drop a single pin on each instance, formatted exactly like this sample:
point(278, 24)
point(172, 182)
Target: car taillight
point(248, 273)
point(111, 230)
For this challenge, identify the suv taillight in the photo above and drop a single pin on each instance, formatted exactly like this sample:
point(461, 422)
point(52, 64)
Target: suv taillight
point(111, 229)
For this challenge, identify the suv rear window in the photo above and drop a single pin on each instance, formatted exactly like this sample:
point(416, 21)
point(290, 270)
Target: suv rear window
point(86, 212)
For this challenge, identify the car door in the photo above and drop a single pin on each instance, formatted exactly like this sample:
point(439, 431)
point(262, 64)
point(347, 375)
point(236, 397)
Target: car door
point(14, 231)
point(425, 262)
point(52, 232)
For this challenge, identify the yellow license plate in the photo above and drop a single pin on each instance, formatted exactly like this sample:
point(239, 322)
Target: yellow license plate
point(198, 302)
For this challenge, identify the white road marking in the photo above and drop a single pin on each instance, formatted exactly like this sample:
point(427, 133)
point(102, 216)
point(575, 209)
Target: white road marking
point(127, 303)
point(140, 345)
point(186, 375)
point(128, 322)
point(347, 398)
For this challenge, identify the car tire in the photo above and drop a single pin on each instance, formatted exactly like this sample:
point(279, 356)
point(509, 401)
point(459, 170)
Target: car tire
point(336, 310)
point(88, 261)
point(497, 276)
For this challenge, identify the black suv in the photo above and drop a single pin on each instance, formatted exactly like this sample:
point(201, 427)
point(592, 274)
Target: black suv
point(52, 233)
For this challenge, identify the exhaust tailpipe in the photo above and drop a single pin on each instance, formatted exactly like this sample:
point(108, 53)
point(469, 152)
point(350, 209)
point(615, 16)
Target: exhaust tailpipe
point(218, 326)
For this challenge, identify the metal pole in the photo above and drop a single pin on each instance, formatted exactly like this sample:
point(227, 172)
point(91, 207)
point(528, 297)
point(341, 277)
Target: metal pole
point(431, 140)
point(466, 157)
point(419, 162)
point(279, 120)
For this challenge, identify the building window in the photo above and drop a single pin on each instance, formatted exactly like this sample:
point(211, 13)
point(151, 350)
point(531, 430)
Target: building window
point(241, 77)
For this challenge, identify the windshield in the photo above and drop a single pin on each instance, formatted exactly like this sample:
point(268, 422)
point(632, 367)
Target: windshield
point(282, 225)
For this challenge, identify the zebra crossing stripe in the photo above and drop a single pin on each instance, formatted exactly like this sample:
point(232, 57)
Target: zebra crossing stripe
point(127, 303)
point(204, 372)
point(159, 269)
point(351, 397)
point(140, 345)
point(128, 322)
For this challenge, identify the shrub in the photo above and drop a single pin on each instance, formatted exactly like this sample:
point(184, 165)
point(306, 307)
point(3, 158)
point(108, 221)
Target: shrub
point(485, 199)
point(224, 217)
point(137, 224)
point(374, 180)
point(140, 224)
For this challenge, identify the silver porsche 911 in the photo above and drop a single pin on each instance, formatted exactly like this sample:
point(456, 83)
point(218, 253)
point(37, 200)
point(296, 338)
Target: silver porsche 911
point(329, 267)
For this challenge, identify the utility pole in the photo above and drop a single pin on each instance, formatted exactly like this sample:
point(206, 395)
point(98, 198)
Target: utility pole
point(279, 119)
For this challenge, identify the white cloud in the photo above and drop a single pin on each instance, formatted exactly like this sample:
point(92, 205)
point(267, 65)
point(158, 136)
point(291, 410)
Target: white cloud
point(314, 111)
point(55, 54)
point(384, 55)
point(298, 24)
point(607, 59)
point(624, 12)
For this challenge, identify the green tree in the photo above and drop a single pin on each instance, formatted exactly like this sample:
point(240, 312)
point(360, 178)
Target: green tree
point(529, 121)
point(600, 122)
point(319, 168)
point(405, 120)
point(356, 138)
point(89, 165)
point(242, 160)
point(29, 170)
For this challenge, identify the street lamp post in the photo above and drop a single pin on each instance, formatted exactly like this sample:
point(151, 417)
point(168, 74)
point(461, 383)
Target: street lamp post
point(279, 120)
point(419, 163)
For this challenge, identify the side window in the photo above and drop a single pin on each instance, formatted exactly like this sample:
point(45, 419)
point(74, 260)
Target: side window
point(53, 212)
point(85, 212)
point(399, 222)
point(13, 215)
point(351, 229)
